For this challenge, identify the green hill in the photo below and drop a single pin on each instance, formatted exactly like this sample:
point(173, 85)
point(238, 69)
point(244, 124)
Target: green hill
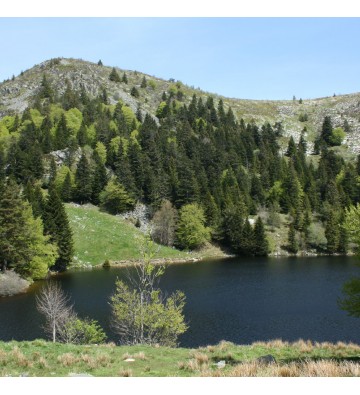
point(99, 236)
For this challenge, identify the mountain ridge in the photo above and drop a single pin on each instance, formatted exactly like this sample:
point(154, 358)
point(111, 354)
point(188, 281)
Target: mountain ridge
point(16, 93)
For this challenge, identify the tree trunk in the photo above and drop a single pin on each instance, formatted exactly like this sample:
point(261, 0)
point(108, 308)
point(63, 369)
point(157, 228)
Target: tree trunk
point(54, 332)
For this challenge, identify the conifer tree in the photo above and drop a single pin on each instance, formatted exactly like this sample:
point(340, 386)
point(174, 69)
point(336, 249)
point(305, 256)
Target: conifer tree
point(247, 239)
point(35, 197)
point(134, 92)
point(52, 170)
point(45, 90)
point(82, 136)
point(332, 232)
point(261, 245)
point(23, 245)
point(326, 130)
point(143, 83)
point(83, 181)
point(56, 225)
point(124, 79)
point(291, 149)
point(67, 188)
point(293, 246)
point(62, 134)
point(99, 181)
point(114, 76)
point(47, 138)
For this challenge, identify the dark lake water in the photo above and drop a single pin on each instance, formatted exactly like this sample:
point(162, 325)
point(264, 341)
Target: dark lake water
point(240, 300)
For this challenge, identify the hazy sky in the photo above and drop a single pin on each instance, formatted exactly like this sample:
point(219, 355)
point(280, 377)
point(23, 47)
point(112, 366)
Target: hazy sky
point(250, 58)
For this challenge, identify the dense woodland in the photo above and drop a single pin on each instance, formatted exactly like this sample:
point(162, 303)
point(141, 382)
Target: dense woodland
point(200, 170)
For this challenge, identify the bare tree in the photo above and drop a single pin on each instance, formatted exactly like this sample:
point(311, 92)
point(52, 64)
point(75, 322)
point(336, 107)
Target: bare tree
point(54, 304)
point(164, 224)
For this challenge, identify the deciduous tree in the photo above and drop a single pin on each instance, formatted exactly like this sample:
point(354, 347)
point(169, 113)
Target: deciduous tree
point(141, 314)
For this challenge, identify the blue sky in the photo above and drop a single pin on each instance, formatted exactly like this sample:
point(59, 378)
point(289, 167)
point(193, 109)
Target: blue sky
point(250, 58)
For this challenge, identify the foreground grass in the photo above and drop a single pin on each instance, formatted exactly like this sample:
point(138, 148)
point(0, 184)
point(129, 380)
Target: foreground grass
point(99, 236)
point(41, 358)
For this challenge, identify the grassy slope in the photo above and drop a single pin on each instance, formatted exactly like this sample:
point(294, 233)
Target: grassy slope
point(99, 236)
point(41, 358)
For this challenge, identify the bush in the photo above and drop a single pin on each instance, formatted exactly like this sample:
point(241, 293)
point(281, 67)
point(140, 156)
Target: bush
point(86, 331)
point(11, 283)
point(303, 117)
point(337, 136)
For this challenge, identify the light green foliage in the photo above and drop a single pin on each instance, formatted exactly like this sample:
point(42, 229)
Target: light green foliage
point(73, 120)
point(200, 123)
point(55, 112)
point(115, 144)
point(192, 232)
point(173, 90)
point(162, 109)
point(113, 126)
point(4, 136)
point(101, 151)
point(140, 313)
point(337, 136)
point(61, 175)
point(23, 245)
point(91, 133)
point(36, 117)
point(115, 199)
point(162, 322)
point(129, 115)
point(352, 225)
point(152, 84)
point(133, 136)
point(84, 331)
point(42, 253)
point(7, 121)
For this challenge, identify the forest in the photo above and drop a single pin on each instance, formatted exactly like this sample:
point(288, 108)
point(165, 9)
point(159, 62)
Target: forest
point(206, 176)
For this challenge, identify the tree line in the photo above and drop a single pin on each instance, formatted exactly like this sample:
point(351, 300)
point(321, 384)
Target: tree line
point(212, 168)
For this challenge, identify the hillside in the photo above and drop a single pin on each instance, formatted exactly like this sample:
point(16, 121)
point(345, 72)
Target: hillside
point(16, 93)
point(99, 236)
point(302, 358)
point(252, 177)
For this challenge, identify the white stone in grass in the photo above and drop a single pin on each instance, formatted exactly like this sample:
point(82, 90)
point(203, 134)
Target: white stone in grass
point(221, 364)
point(129, 360)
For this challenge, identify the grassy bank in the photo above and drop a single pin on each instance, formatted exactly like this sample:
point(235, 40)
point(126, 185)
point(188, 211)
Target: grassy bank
point(99, 236)
point(41, 358)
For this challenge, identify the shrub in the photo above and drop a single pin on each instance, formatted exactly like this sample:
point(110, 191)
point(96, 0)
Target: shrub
point(86, 331)
point(337, 136)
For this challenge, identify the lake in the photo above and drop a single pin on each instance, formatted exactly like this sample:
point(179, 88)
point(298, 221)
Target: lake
point(241, 300)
